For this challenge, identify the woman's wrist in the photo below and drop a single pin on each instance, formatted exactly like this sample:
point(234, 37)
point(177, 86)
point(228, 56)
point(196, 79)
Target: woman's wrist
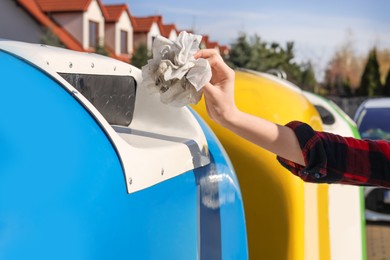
point(231, 119)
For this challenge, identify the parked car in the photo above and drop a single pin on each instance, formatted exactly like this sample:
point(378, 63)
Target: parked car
point(377, 204)
point(373, 121)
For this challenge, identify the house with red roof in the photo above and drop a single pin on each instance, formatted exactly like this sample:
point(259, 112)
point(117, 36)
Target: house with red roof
point(207, 44)
point(27, 22)
point(24, 28)
point(119, 30)
point(169, 31)
point(83, 19)
point(83, 25)
point(78, 24)
point(224, 50)
point(145, 30)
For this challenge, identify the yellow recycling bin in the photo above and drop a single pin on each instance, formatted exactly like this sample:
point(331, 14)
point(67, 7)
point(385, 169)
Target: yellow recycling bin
point(286, 218)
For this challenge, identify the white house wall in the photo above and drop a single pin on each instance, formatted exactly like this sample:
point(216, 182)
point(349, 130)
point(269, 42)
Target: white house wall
point(124, 24)
point(154, 31)
point(172, 35)
point(93, 14)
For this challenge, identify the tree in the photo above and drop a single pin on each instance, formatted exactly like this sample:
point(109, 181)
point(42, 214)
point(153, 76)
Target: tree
point(100, 48)
point(255, 54)
point(370, 84)
point(240, 53)
point(383, 56)
point(258, 55)
point(345, 67)
point(386, 87)
point(293, 70)
point(141, 56)
point(308, 79)
point(49, 38)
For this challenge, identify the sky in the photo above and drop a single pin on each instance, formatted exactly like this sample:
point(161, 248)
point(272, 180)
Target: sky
point(316, 27)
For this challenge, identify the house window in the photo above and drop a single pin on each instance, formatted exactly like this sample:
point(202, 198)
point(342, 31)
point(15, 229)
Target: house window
point(93, 34)
point(124, 42)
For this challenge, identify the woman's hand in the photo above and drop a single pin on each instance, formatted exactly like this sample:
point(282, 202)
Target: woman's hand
point(219, 93)
point(219, 96)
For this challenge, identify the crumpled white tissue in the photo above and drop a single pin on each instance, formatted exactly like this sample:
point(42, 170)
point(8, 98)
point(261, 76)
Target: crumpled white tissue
point(174, 72)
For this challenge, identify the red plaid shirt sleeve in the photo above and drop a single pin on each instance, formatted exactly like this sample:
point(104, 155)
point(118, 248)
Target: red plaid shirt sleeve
point(332, 158)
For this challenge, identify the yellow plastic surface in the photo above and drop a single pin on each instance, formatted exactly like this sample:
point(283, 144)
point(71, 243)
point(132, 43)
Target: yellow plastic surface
point(273, 197)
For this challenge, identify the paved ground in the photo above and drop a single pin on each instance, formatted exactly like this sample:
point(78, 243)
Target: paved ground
point(378, 241)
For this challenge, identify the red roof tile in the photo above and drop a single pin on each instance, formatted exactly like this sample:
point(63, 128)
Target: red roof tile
point(212, 45)
point(224, 50)
point(205, 40)
point(144, 24)
point(114, 12)
point(166, 29)
point(53, 6)
point(63, 6)
point(207, 43)
point(31, 7)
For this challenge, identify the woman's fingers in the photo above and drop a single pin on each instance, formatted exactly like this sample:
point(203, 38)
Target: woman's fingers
point(205, 53)
point(221, 71)
point(212, 56)
point(208, 87)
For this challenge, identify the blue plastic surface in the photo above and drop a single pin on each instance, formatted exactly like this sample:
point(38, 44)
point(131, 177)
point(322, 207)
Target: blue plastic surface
point(230, 203)
point(63, 195)
point(62, 190)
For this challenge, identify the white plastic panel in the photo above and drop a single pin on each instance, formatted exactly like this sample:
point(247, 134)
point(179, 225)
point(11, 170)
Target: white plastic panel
point(160, 143)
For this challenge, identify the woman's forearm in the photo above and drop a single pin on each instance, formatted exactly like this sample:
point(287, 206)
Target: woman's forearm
point(275, 138)
point(219, 98)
